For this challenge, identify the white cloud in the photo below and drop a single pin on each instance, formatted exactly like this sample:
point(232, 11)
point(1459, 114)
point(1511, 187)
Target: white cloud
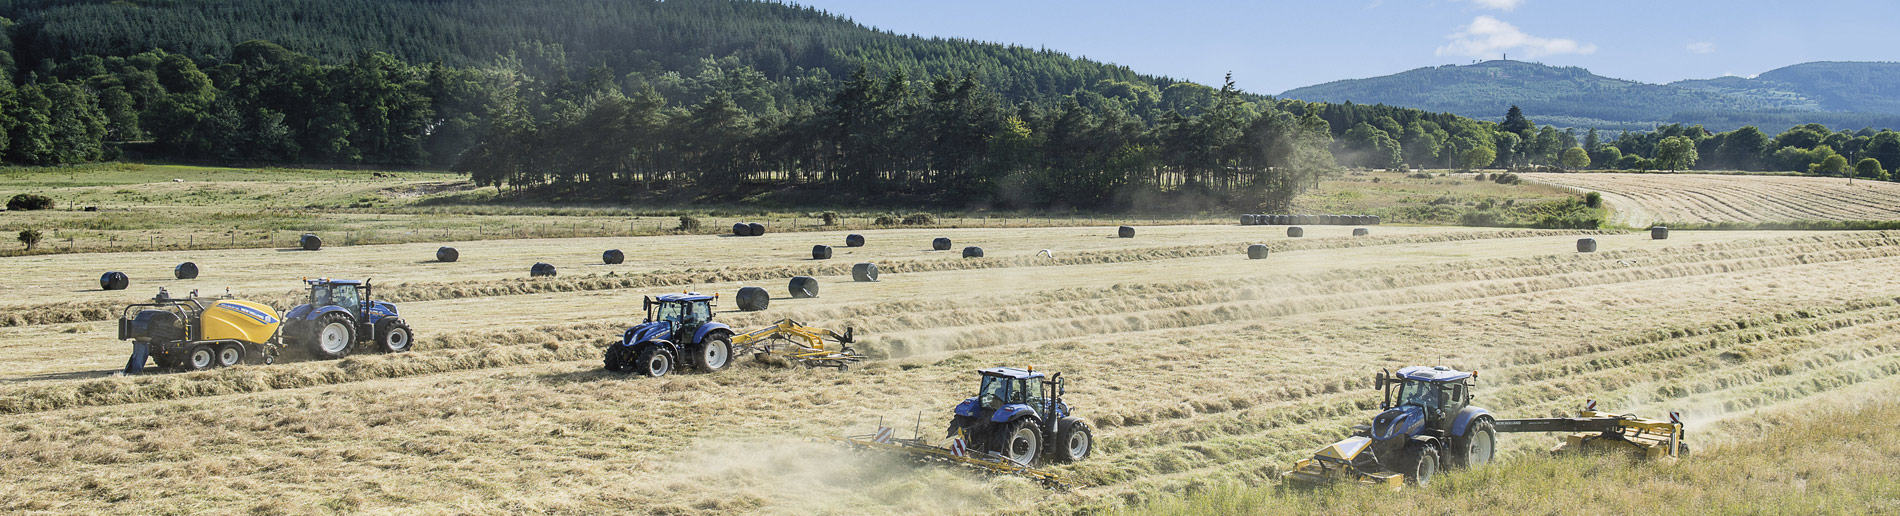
point(1488, 37)
point(1502, 5)
point(1702, 47)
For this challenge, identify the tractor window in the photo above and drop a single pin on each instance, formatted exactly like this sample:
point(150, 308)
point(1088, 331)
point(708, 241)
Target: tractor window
point(700, 312)
point(345, 296)
point(994, 392)
point(669, 312)
point(1423, 394)
point(1032, 391)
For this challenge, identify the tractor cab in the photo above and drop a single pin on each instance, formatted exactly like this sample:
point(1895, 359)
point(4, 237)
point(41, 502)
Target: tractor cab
point(673, 315)
point(1005, 386)
point(345, 294)
point(1421, 400)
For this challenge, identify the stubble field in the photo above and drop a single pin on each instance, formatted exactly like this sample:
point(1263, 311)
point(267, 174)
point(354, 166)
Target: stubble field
point(1643, 199)
point(1199, 368)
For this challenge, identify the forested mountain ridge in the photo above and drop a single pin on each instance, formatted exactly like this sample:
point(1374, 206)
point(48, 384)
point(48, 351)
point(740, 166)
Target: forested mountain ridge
point(1839, 94)
point(626, 36)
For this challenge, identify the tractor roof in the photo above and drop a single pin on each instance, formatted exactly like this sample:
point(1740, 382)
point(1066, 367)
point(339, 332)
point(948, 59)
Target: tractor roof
point(689, 296)
point(1010, 372)
point(1432, 374)
point(328, 281)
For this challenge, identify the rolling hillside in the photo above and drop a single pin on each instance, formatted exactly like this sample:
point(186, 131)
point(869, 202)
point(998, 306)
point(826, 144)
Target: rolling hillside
point(1835, 94)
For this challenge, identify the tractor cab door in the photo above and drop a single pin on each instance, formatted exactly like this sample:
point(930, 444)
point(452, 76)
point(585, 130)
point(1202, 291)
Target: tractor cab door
point(994, 393)
point(697, 313)
point(348, 298)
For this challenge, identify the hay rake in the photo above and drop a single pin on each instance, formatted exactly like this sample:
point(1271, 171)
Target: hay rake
point(805, 345)
point(951, 450)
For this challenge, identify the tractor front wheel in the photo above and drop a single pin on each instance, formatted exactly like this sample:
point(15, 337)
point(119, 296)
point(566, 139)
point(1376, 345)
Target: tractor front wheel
point(713, 354)
point(394, 335)
point(1075, 440)
point(653, 361)
point(1425, 466)
point(331, 336)
point(1022, 442)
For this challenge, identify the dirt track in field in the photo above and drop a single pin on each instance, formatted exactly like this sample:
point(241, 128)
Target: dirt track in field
point(1196, 365)
point(1640, 200)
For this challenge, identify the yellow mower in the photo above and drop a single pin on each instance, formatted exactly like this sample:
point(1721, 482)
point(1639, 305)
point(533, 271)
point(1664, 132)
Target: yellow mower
point(1433, 426)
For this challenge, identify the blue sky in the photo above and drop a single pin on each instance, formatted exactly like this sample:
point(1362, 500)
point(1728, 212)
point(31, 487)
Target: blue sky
point(1272, 46)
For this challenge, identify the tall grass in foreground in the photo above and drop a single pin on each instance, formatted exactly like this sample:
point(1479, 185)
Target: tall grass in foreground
point(1829, 461)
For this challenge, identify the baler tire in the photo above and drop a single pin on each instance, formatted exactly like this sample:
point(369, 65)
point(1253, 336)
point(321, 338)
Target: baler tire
point(314, 341)
point(392, 327)
point(230, 354)
point(200, 357)
point(653, 362)
point(713, 354)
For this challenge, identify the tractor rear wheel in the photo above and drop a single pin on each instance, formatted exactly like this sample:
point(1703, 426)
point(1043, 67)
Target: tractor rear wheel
point(1074, 441)
point(230, 354)
point(653, 361)
point(1477, 447)
point(1021, 442)
point(331, 336)
point(713, 354)
point(394, 335)
point(1424, 466)
point(200, 357)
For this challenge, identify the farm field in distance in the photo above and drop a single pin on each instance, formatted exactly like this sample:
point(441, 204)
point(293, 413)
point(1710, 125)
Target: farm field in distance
point(1643, 199)
point(1199, 367)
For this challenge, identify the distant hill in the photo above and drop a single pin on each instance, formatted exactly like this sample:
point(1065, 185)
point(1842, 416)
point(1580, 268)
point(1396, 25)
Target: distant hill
point(1837, 94)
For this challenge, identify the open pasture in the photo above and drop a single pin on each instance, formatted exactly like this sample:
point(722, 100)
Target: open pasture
point(1198, 366)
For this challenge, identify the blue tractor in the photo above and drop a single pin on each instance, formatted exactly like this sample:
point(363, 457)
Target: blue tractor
point(1019, 414)
point(340, 314)
point(677, 327)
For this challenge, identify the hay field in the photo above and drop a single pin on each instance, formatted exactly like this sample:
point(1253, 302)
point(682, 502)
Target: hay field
point(1198, 367)
point(1640, 200)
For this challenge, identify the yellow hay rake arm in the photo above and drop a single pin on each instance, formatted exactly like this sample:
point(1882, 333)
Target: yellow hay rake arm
point(924, 451)
point(806, 345)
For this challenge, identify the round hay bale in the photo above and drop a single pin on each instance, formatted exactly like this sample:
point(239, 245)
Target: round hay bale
point(1586, 245)
point(755, 229)
point(310, 242)
point(821, 252)
point(972, 252)
point(1375, 220)
point(1125, 232)
point(541, 269)
point(854, 240)
point(1295, 232)
point(1276, 220)
point(753, 299)
point(741, 229)
point(1246, 220)
point(1658, 233)
point(114, 280)
point(613, 257)
point(864, 272)
point(185, 270)
point(1257, 252)
point(447, 254)
point(1359, 232)
point(803, 287)
point(940, 244)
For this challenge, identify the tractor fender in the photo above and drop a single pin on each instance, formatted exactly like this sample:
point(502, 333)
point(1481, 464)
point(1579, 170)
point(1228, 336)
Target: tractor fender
point(1426, 440)
point(667, 345)
point(1012, 411)
point(967, 408)
point(707, 329)
point(1465, 418)
point(312, 315)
